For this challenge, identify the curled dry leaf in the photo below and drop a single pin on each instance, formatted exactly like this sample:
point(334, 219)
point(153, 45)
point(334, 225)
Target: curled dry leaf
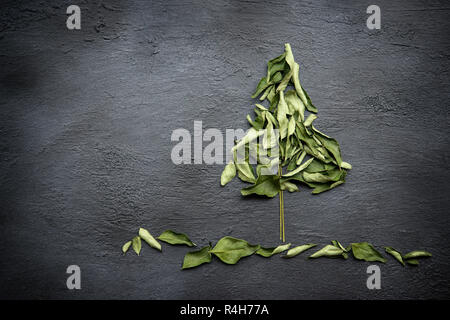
point(126, 246)
point(365, 251)
point(147, 237)
point(299, 249)
point(328, 251)
point(268, 252)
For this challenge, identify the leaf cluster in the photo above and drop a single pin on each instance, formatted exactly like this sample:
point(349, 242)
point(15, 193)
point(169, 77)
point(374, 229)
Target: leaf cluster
point(230, 250)
point(300, 153)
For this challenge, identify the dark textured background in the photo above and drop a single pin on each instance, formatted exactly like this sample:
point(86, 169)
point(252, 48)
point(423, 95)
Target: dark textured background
point(85, 125)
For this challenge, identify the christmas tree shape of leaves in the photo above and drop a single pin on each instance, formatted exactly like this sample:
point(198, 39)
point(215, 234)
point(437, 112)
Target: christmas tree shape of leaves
point(304, 155)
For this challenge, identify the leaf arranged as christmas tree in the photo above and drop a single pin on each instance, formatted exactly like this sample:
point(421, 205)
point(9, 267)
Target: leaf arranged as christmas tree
point(282, 143)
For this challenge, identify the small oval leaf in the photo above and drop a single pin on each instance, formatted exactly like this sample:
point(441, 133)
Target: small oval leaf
point(126, 246)
point(230, 250)
point(136, 242)
point(268, 252)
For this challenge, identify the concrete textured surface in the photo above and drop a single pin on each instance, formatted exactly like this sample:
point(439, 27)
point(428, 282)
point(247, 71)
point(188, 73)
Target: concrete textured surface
point(86, 118)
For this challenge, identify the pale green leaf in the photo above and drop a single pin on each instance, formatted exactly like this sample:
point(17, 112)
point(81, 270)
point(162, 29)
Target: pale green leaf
point(346, 165)
point(275, 65)
point(265, 185)
point(289, 186)
point(136, 243)
point(299, 249)
point(229, 172)
point(126, 246)
point(291, 127)
point(147, 237)
point(310, 120)
point(397, 255)
point(417, 254)
point(328, 251)
point(295, 104)
point(326, 186)
point(412, 262)
point(299, 169)
point(245, 172)
point(301, 157)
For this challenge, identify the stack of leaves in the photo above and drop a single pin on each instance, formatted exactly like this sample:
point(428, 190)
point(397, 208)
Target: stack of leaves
point(230, 250)
point(300, 153)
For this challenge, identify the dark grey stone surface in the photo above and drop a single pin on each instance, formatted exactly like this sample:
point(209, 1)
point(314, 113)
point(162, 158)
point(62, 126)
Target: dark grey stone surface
point(85, 124)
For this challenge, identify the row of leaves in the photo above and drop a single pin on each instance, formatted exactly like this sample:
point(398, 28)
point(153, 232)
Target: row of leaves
point(230, 250)
point(310, 156)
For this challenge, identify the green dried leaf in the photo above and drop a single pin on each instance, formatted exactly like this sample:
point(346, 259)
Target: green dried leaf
point(196, 258)
point(291, 127)
point(147, 237)
point(295, 104)
point(331, 145)
point(413, 262)
point(266, 185)
point(337, 244)
point(266, 92)
point(136, 242)
point(260, 87)
point(245, 172)
point(346, 165)
point(309, 120)
point(230, 250)
point(365, 251)
point(229, 172)
point(299, 169)
point(417, 254)
point(126, 246)
point(397, 255)
point(300, 91)
point(268, 252)
point(275, 65)
point(172, 237)
point(289, 186)
point(328, 251)
point(326, 186)
point(316, 177)
point(299, 249)
point(251, 135)
point(281, 116)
